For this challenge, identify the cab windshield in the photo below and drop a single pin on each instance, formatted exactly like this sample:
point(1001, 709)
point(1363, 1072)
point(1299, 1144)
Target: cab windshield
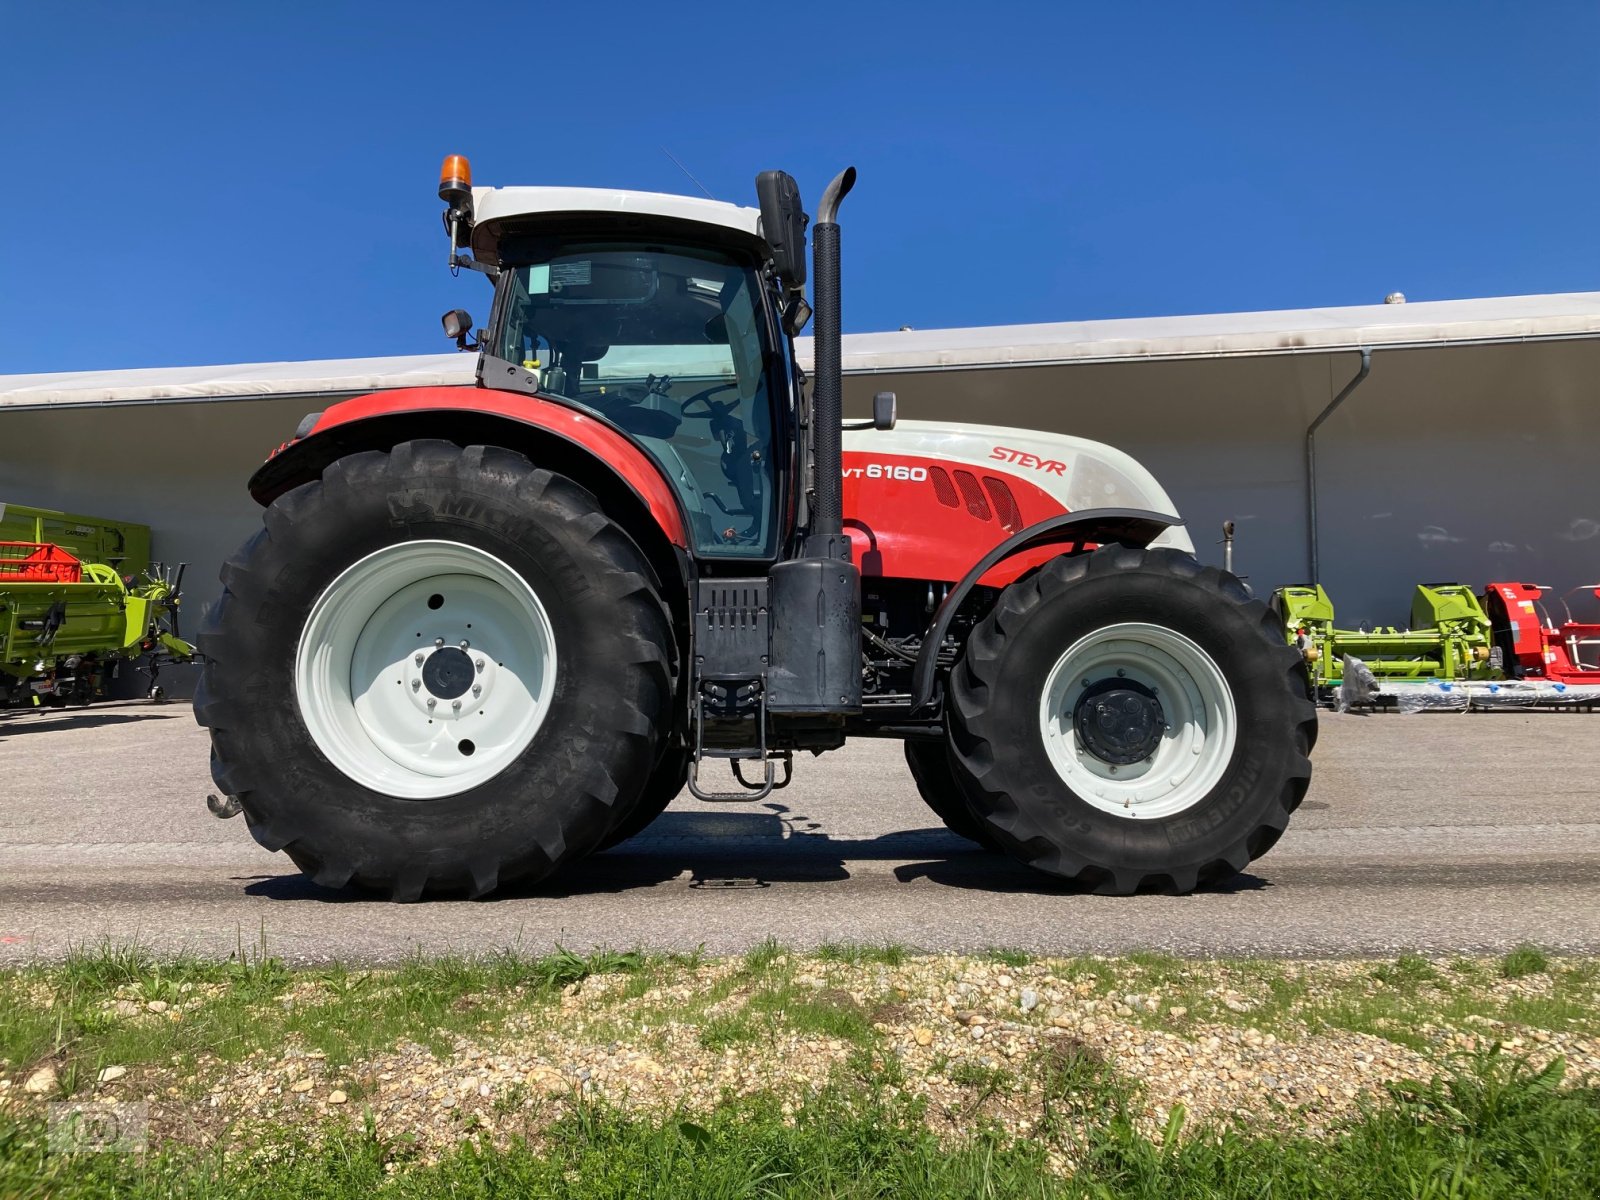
point(667, 343)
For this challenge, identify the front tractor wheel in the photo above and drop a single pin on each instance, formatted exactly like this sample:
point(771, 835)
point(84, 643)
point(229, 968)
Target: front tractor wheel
point(1131, 720)
point(435, 669)
point(942, 792)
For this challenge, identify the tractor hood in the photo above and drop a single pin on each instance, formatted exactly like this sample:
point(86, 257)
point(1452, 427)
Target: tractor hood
point(1075, 473)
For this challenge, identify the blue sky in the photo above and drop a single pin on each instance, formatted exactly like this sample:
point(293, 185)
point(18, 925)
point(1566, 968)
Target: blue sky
point(222, 182)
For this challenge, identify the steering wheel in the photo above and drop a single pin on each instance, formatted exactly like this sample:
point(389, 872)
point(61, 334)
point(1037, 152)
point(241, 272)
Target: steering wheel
point(707, 410)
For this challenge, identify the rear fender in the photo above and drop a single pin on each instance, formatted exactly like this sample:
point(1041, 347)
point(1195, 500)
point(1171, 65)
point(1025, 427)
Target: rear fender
point(456, 413)
point(1092, 526)
point(584, 448)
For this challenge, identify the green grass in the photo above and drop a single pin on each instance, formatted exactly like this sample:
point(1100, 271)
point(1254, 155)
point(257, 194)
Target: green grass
point(733, 1029)
point(761, 957)
point(253, 1003)
point(1524, 960)
point(855, 953)
point(1010, 958)
point(981, 1079)
point(1393, 999)
point(1407, 971)
point(1494, 1128)
point(786, 1007)
point(822, 1015)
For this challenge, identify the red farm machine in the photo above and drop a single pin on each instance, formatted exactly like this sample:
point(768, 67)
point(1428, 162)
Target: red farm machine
point(489, 629)
point(1534, 646)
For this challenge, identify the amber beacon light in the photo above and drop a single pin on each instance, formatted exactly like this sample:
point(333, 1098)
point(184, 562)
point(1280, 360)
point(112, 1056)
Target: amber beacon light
point(455, 189)
point(455, 179)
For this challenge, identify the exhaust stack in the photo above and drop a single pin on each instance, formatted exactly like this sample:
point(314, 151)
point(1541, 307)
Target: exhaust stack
point(815, 664)
point(827, 398)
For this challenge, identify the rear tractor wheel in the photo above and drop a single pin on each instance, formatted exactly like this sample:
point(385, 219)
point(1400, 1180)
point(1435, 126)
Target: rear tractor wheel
point(1131, 720)
point(666, 782)
point(435, 669)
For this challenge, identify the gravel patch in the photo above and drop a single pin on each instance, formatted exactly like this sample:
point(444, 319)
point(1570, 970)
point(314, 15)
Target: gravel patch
point(978, 1041)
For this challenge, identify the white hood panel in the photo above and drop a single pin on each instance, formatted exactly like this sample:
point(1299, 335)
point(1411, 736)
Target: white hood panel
point(1076, 471)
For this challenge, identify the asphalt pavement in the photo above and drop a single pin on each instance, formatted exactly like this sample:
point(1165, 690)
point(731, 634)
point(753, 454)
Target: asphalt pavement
point(1432, 832)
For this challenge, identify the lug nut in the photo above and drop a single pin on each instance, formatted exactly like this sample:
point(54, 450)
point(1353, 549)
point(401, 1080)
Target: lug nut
point(432, 702)
point(418, 658)
point(465, 645)
point(477, 689)
point(479, 664)
point(455, 705)
point(438, 643)
point(416, 685)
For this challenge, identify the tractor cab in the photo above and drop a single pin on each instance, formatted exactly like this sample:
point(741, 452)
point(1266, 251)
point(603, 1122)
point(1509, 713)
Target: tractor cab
point(657, 314)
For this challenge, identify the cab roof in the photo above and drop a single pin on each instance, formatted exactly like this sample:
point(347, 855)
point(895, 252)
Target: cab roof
point(495, 208)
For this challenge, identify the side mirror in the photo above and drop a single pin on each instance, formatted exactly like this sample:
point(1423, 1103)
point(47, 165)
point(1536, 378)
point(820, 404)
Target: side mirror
point(458, 325)
point(783, 224)
point(883, 413)
point(795, 314)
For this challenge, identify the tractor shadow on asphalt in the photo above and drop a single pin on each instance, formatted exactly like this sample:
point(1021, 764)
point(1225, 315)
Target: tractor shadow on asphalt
point(735, 850)
point(49, 720)
point(755, 849)
point(994, 873)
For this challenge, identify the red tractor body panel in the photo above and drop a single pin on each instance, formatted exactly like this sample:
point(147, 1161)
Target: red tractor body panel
point(915, 517)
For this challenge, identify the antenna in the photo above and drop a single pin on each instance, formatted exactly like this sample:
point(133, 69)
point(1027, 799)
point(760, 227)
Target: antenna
point(688, 172)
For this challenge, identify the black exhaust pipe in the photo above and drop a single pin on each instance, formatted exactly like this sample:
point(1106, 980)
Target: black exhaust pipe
point(815, 665)
point(827, 397)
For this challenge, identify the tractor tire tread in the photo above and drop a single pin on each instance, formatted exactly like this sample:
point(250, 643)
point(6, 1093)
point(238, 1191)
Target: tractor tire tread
point(296, 527)
point(929, 763)
point(979, 737)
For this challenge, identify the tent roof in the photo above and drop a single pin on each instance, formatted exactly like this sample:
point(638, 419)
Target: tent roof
point(1317, 330)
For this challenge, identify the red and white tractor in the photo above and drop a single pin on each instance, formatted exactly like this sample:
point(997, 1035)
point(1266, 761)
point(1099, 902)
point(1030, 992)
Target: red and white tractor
point(487, 630)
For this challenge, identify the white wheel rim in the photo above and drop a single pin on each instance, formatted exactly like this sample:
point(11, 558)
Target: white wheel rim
point(365, 670)
point(1195, 746)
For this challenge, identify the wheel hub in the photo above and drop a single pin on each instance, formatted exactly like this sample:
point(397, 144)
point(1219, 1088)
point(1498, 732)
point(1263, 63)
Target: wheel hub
point(447, 673)
point(1138, 720)
point(425, 669)
point(1119, 721)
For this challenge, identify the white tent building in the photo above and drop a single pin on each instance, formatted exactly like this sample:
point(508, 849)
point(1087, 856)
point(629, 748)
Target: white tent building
point(1468, 451)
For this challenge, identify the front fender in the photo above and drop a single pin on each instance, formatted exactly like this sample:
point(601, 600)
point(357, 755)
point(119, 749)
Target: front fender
point(1097, 526)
